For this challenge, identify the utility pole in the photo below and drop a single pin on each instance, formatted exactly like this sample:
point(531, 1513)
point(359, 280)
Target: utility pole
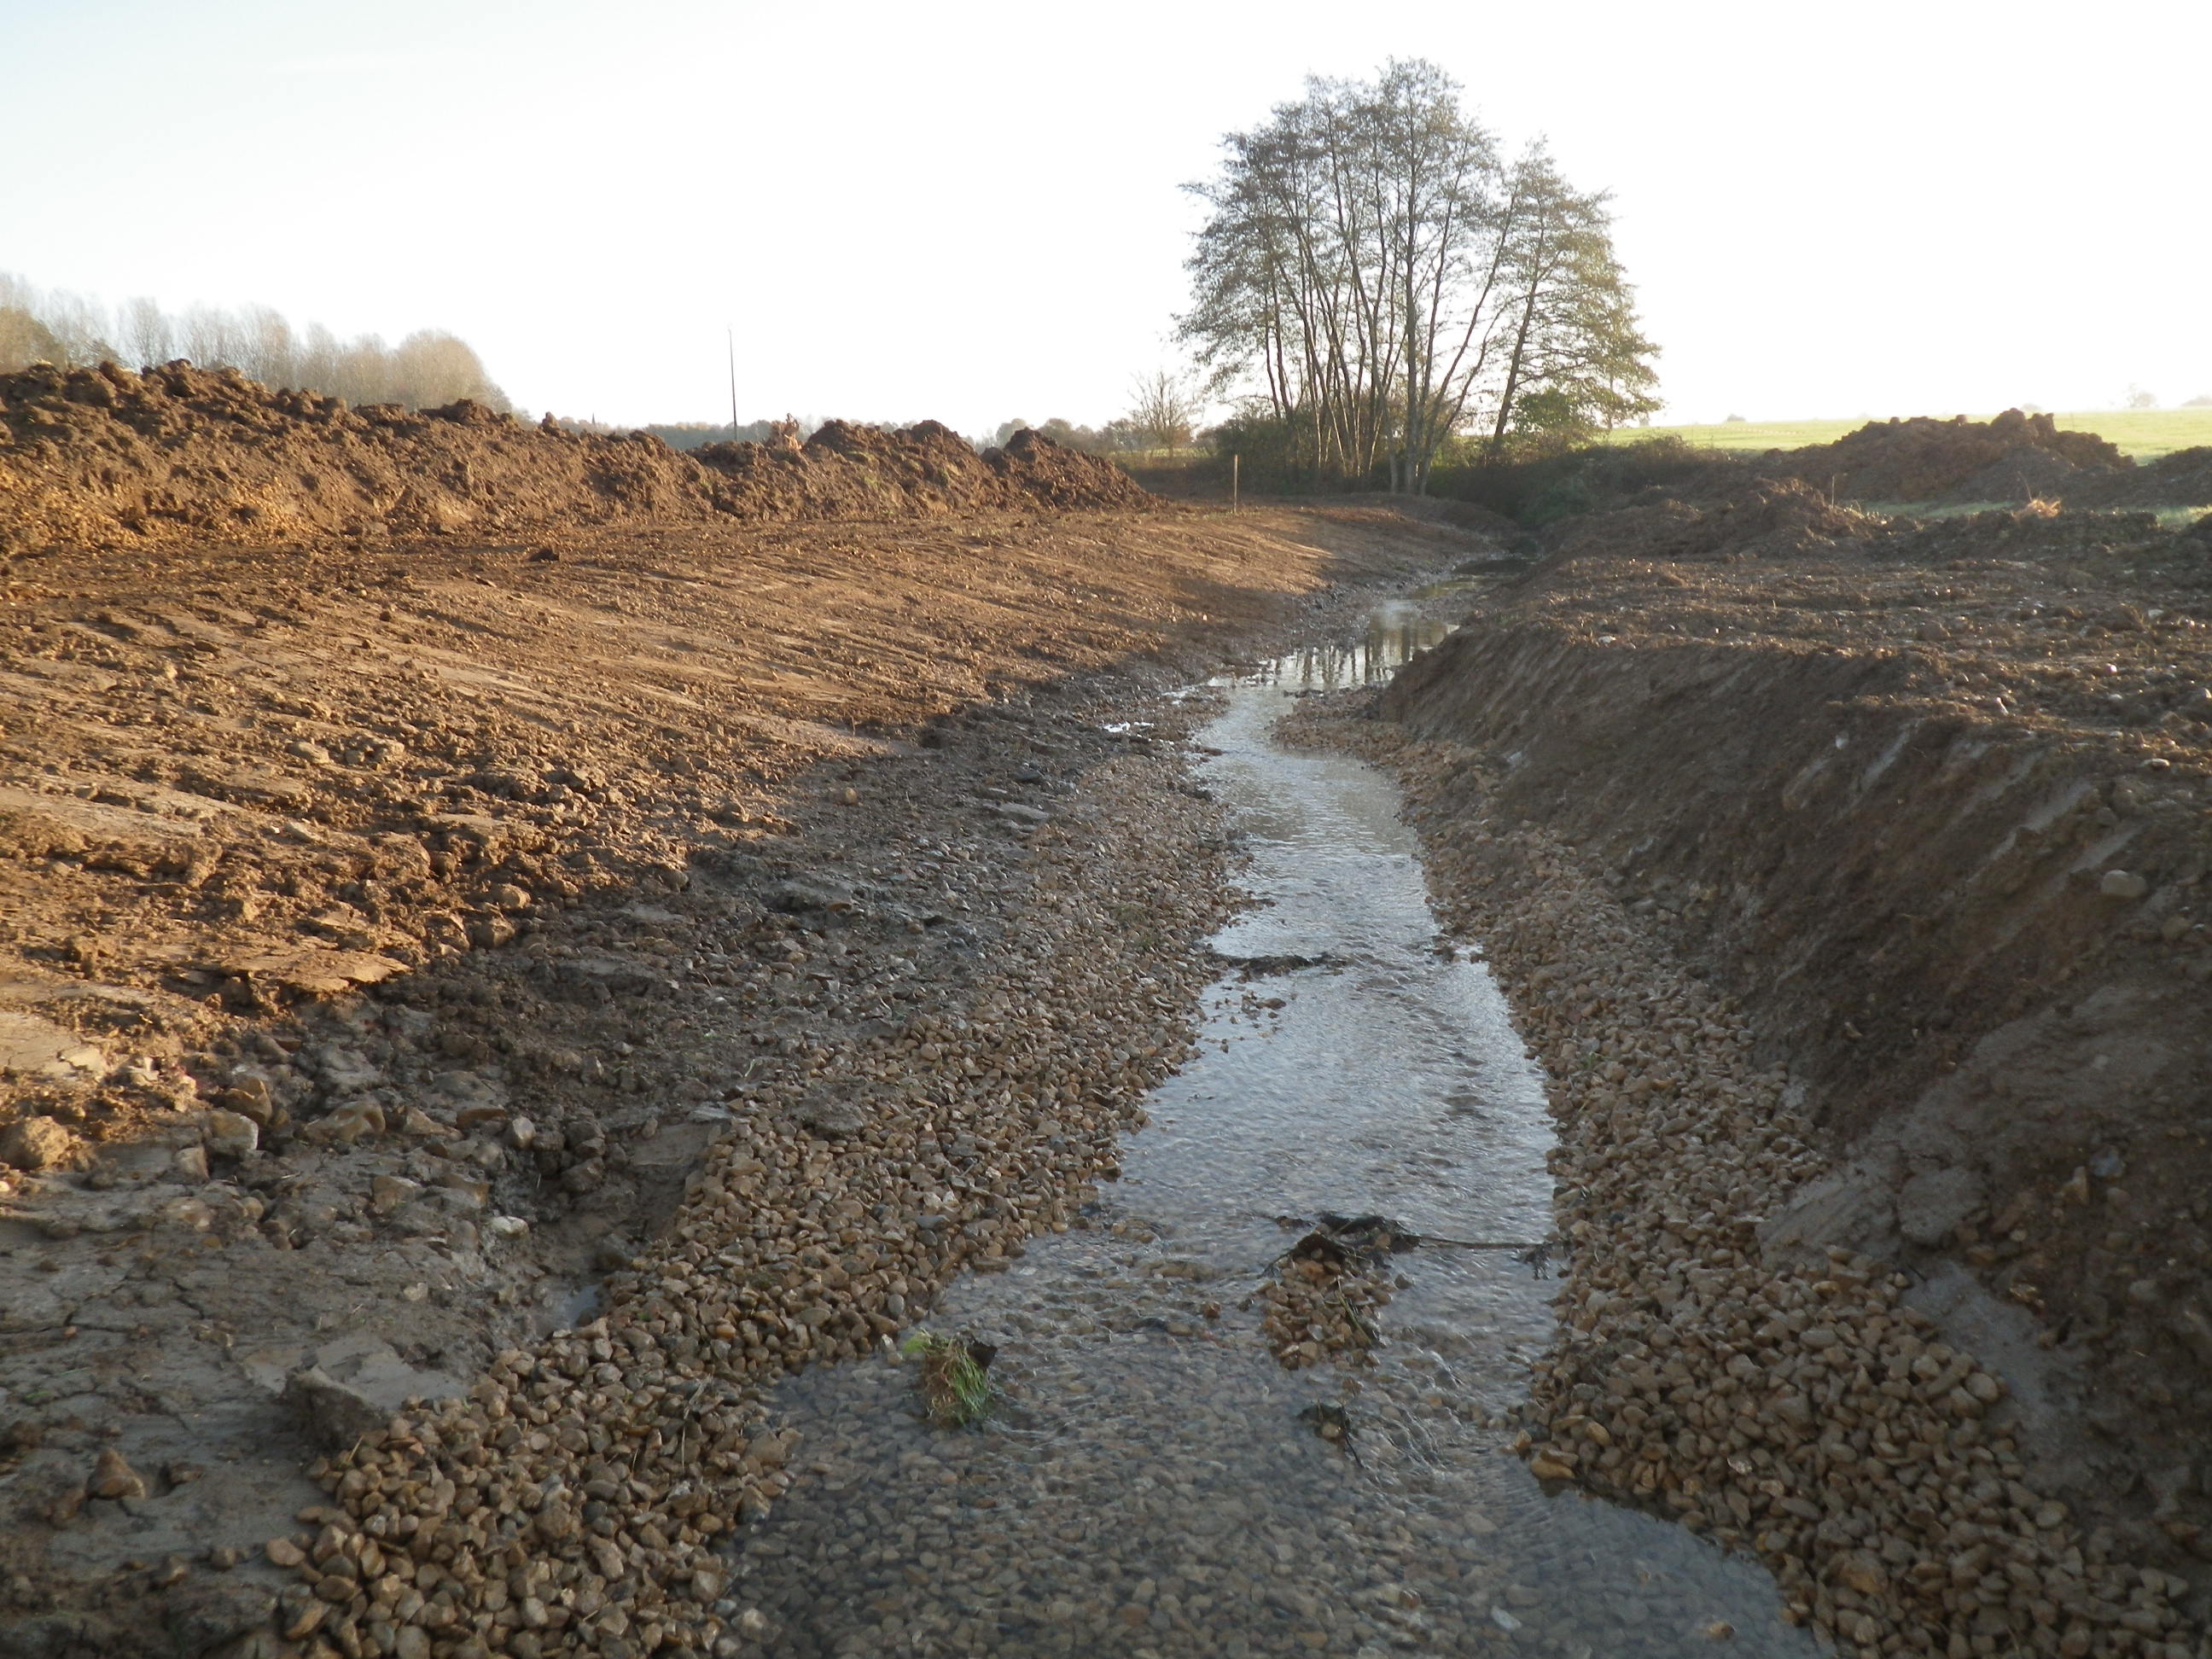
point(1236, 467)
point(733, 334)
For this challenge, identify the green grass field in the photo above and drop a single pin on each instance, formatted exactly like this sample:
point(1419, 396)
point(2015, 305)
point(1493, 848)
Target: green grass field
point(2144, 433)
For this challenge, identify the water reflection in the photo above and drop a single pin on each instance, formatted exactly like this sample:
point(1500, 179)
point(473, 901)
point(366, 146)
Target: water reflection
point(1393, 635)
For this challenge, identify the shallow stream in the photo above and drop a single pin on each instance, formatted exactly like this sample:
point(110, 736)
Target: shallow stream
point(1148, 1484)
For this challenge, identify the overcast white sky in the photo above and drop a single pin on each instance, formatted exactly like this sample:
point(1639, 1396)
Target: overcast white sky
point(971, 212)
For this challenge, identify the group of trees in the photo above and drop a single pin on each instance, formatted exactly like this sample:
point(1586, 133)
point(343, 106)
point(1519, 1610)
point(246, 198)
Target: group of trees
point(425, 370)
point(1378, 281)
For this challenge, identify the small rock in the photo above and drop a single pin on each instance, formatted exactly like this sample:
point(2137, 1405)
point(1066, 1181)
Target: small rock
point(38, 1143)
point(249, 1097)
point(232, 1135)
point(2121, 884)
point(191, 1162)
point(489, 933)
point(350, 1122)
point(113, 1478)
point(284, 1553)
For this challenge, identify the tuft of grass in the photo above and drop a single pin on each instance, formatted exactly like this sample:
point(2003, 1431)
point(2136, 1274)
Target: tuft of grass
point(953, 1377)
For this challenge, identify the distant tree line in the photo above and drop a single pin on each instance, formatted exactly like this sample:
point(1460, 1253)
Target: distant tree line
point(1163, 414)
point(1377, 283)
point(426, 370)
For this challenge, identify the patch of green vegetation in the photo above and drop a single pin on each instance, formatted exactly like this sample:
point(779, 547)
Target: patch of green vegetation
point(952, 1375)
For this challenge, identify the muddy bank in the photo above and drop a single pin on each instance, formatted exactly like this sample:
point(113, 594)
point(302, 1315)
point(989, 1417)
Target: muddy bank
point(708, 975)
point(1838, 893)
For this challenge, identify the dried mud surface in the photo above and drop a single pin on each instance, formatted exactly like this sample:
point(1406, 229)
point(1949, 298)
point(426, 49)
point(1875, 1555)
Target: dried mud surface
point(1847, 878)
point(478, 1013)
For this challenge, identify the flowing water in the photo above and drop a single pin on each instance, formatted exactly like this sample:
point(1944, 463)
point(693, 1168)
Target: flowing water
point(1148, 1486)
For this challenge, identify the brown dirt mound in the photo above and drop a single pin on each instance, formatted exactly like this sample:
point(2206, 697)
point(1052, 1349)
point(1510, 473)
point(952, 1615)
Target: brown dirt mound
point(1921, 459)
point(98, 458)
point(2181, 479)
point(2025, 474)
point(1778, 520)
point(846, 470)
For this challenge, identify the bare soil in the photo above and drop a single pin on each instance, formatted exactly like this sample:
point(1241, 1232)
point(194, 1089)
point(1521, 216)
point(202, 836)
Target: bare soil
point(413, 948)
point(110, 460)
point(1923, 812)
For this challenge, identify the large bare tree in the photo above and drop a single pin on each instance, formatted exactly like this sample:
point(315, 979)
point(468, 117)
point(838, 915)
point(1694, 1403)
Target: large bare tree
point(1375, 275)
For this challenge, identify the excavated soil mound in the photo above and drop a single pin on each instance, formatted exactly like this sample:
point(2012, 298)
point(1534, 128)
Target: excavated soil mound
point(2181, 479)
point(1778, 520)
point(100, 457)
point(857, 471)
point(1922, 460)
point(2025, 474)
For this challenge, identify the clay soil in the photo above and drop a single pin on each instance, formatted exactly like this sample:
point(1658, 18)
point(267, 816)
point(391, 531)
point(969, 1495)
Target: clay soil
point(1848, 875)
point(415, 946)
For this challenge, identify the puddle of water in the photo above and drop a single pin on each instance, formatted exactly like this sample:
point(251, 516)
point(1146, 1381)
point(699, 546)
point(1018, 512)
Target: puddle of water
point(1148, 1486)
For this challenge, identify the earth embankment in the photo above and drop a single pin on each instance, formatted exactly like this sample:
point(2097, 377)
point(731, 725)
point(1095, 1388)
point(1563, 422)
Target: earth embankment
point(108, 458)
point(1848, 880)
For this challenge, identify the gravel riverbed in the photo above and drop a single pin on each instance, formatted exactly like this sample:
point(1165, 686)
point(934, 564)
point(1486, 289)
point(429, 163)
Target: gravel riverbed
point(1227, 1426)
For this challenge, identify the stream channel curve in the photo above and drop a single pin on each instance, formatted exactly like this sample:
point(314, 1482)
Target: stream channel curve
point(1147, 1485)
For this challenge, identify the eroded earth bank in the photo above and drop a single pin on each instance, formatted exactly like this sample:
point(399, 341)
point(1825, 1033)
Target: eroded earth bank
point(1846, 875)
